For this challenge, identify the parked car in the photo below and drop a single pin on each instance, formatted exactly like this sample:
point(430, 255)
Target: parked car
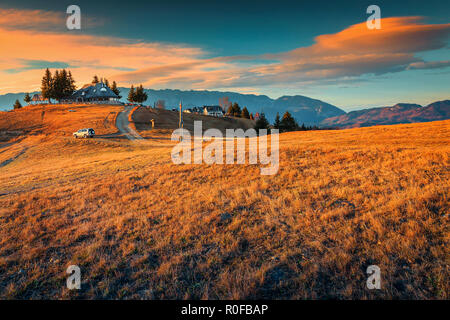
point(84, 133)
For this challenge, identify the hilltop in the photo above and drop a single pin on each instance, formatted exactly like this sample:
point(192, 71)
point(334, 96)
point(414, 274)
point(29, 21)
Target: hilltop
point(141, 227)
point(304, 109)
point(399, 113)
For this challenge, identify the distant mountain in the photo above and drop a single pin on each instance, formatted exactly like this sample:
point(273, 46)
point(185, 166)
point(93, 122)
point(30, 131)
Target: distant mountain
point(303, 109)
point(7, 100)
point(399, 113)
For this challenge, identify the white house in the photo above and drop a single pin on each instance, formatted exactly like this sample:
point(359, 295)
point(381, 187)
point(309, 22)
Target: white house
point(215, 111)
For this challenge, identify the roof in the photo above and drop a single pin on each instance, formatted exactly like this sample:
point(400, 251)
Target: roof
point(213, 108)
point(99, 90)
point(37, 97)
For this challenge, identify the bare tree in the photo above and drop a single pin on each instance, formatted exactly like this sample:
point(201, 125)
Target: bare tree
point(160, 104)
point(224, 103)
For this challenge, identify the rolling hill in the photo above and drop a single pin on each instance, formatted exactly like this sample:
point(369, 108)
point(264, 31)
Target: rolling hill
point(141, 227)
point(304, 109)
point(399, 113)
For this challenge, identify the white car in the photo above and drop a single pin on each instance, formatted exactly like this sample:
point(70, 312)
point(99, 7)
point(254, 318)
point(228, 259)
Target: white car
point(84, 133)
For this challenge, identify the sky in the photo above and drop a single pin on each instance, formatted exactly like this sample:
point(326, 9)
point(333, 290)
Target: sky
point(320, 49)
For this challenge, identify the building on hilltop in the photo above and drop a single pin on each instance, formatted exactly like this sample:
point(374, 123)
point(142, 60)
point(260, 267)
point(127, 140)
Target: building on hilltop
point(95, 93)
point(215, 111)
point(38, 99)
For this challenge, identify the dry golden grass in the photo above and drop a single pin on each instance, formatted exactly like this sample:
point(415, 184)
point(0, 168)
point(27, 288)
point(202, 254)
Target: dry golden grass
point(141, 227)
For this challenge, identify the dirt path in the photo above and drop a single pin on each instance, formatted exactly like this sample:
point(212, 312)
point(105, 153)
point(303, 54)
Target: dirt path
point(123, 125)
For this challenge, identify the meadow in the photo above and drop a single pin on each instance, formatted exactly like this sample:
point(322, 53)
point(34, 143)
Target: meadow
point(141, 227)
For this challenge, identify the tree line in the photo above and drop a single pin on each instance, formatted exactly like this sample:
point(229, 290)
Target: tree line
point(285, 124)
point(234, 110)
point(137, 95)
point(58, 86)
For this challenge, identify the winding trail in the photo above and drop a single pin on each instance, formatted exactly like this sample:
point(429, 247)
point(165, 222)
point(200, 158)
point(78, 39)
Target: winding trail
point(123, 125)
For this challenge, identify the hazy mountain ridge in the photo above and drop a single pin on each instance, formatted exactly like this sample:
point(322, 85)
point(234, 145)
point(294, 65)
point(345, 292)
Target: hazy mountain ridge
point(304, 109)
point(399, 113)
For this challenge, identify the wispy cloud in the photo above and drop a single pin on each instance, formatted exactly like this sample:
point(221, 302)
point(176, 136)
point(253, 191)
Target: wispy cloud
point(342, 57)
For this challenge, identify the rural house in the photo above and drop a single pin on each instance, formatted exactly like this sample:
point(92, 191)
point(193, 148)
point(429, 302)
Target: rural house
point(95, 93)
point(215, 111)
point(38, 99)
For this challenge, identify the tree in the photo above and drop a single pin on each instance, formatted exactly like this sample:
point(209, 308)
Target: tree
point(27, 98)
point(160, 104)
point(230, 110)
point(115, 89)
point(70, 83)
point(277, 123)
point(17, 105)
point(236, 110)
point(106, 82)
point(288, 123)
point(245, 114)
point(140, 95)
point(132, 94)
point(95, 80)
point(224, 103)
point(251, 116)
point(47, 85)
point(262, 123)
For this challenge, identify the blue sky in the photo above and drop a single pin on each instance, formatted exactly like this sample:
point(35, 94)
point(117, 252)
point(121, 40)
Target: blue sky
point(263, 32)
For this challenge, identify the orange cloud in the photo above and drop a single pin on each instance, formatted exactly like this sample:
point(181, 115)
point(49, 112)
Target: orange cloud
point(346, 55)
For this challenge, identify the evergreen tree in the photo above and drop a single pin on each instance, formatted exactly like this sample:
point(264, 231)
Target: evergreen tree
point(58, 85)
point(277, 123)
point(47, 85)
point(27, 98)
point(245, 114)
point(230, 110)
point(140, 95)
point(95, 80)
point(131, 94)
point(288, 123)
point(115, 89)
point(236, 110)
point(70, 84)
point(106, 82)
point(251, 116)
point(17, 105)
point(262, 122)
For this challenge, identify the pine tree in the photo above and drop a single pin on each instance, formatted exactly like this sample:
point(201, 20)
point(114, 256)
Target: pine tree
point(236, 110)
point(95, 80)
point(244, 113)
point(47, 85)
point(27, 98)
point(230, 110)
point(58, 85)
point(106, 82)
point(131, 94)
point(140, 95)
point(71, 84)
point(17, 105)
point(262, 122)
point(115, 89)
point(288, 123)
point(277, 123)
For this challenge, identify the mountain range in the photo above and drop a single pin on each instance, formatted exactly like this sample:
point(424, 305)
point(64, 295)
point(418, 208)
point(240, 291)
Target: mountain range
point(399, 113)
point(304, 109)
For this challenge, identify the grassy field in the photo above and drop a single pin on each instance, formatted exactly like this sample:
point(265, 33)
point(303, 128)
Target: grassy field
point(141, 227)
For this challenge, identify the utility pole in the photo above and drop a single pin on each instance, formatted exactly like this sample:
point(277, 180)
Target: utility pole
point(180, 124)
